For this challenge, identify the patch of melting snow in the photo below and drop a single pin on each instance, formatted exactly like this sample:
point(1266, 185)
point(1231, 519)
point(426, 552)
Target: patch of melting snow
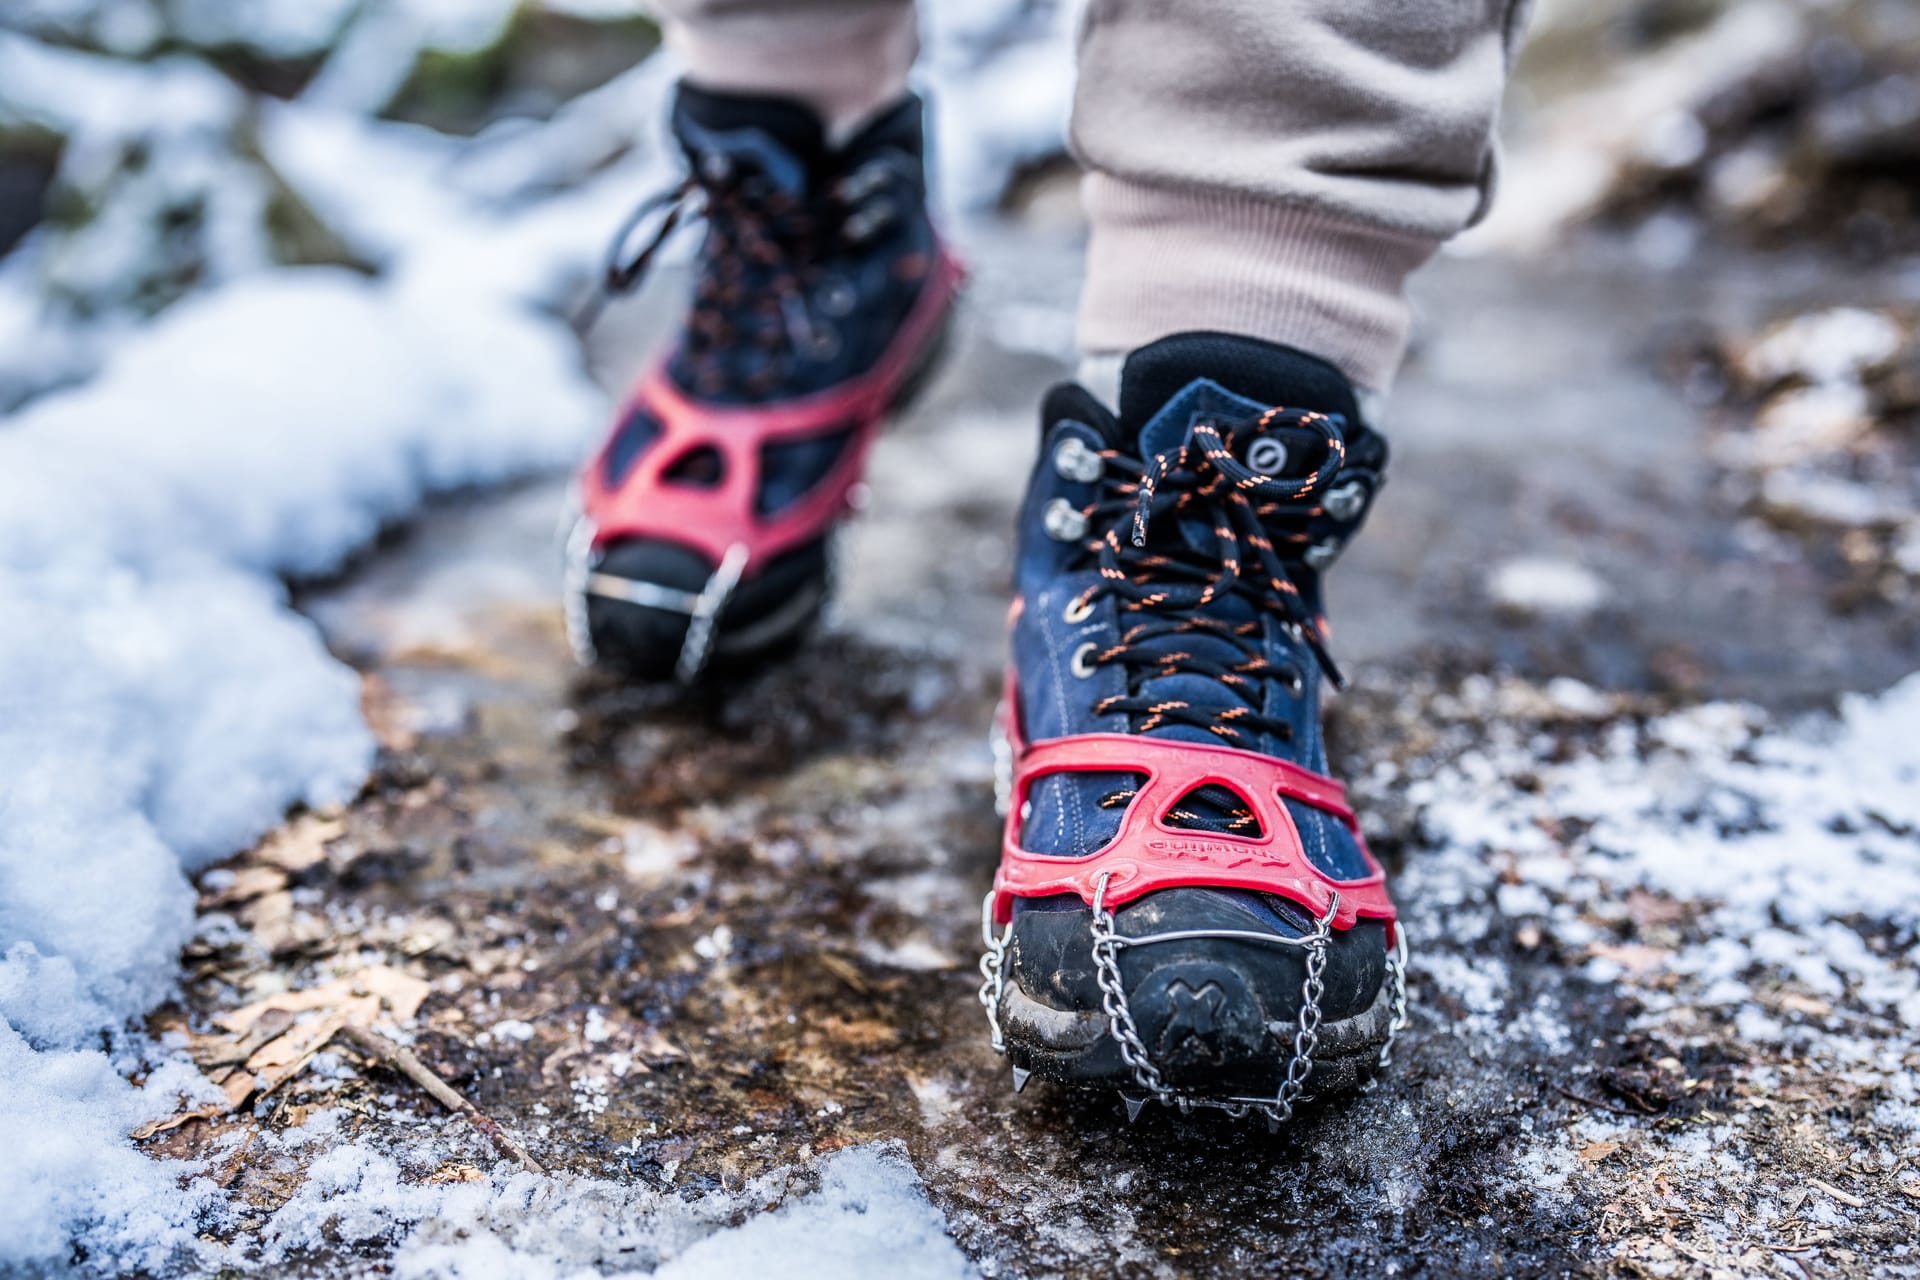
point(161, 706)
point(916, 953)
point(1539, 585)
point(1792, 850)
point(857, 1212)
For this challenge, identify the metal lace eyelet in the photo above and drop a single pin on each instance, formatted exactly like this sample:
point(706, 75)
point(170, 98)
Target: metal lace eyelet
point(1081, 663)
point(1076, 462)
point(1345, 502)
point(862, 182)
point(868, 220)
point(1063, 521)
point(1078, 610)
point(1322, 554)
point(1296, 683)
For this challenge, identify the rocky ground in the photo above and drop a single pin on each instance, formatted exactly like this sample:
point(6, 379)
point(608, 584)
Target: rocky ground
point(681, 942)
point(588, 973)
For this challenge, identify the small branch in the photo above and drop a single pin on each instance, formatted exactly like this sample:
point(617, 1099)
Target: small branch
point(1844, 1197)
point(403, 1060)
point(1596, 1103)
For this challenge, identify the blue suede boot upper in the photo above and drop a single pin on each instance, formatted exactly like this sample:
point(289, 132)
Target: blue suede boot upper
point(1061, 687)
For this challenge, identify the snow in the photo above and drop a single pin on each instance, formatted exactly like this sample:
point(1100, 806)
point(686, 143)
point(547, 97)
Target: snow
point(65, 1114)
point(1821, 812)
point(999, 75)
point(868, 1215)
point(1837, 345)
point(1541, 585)
point(162, 706)
point(1791, 849)
point(869, 1218)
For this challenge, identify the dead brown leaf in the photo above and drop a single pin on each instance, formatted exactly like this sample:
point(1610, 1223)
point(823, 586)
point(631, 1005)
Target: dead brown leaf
point(300, 844)
point(267, 1043)
point(279, 926)
point(1812, 1007)
point(385, 714)
point(246, 884)
point(238, 1087)
point(1595, 1152)
point(365, 991)
point(152, 1127)
point(1647, 909)
point(1633, 957)
point(455, 1173)
point(288, 1055)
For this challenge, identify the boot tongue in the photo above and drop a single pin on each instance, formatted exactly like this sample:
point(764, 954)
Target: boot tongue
point(782, 138)
point(1266, 373)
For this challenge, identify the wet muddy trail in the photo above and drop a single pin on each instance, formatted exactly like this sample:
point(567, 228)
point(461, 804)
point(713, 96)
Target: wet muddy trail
point(682, 940)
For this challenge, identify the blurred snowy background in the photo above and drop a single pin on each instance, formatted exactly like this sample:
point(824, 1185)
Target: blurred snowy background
point(273, 273)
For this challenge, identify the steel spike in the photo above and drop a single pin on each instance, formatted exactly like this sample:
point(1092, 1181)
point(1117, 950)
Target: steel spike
point(1020, 1076)
point(1133, 1106)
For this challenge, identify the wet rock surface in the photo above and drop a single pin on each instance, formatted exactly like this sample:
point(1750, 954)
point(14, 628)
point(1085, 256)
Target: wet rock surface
point(685, 941)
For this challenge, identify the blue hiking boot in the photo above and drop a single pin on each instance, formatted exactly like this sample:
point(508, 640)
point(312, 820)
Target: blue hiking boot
point(1185, 908)
point(820, 298)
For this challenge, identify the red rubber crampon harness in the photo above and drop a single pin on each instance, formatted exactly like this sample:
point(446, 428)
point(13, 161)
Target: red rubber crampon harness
point(722, 521)
point(1149, 852)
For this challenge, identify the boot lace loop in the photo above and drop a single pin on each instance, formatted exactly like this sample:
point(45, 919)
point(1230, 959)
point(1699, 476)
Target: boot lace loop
point(763, 254)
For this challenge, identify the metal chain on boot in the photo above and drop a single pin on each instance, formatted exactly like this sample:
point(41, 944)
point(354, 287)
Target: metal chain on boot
point(1113, 997)
point(694, 649)
point(1307, 1038)
point(576, 549)
point(1398, 1017)
point(993, 973)
point(1107, 941)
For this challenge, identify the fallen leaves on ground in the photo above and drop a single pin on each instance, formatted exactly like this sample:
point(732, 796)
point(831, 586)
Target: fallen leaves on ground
point(261, 1046)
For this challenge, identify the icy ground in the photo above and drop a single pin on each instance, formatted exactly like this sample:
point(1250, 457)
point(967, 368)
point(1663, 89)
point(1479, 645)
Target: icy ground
point(1650, 787)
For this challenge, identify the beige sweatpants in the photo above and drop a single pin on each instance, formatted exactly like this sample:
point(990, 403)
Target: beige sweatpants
point(1276, 168)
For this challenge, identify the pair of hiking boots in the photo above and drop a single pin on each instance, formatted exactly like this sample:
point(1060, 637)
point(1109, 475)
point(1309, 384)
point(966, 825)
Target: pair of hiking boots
point(1185, 909)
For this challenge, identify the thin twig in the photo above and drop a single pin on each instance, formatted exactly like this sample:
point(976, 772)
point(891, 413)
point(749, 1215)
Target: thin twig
point(403, 1060)
point(1596, 1103)
point(1844, 1197)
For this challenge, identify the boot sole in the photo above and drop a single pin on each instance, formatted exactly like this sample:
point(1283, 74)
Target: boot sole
point(1077, 1048)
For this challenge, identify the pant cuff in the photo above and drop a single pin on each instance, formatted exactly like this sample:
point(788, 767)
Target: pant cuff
point(1162, 261)
point(845, 66)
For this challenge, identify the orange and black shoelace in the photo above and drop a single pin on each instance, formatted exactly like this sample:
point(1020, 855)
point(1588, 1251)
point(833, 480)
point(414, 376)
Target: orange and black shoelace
point(760, 263)
point(1165, 586)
